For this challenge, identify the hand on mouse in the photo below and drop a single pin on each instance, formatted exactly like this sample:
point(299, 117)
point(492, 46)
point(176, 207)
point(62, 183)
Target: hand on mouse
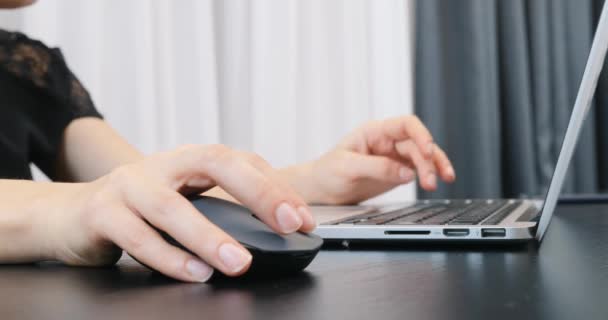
point(119, 210)
point(373, 159)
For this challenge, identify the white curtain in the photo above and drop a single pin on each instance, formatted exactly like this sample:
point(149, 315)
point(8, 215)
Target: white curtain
point(283, 78)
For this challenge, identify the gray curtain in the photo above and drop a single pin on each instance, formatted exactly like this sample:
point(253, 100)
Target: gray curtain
point(495, 83)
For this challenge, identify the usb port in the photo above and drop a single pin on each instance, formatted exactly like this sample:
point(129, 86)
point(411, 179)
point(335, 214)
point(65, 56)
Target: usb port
point(456, 232)
point(494, 232)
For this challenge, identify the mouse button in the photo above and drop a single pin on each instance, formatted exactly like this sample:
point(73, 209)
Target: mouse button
point(262, 240)
point(239, 225)
point(302, 242)
point(217, 210)
point(272, 242)
point(226, 214)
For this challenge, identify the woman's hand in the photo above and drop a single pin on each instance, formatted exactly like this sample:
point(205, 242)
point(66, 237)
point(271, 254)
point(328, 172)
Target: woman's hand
point(121, 210)
point(373, 159)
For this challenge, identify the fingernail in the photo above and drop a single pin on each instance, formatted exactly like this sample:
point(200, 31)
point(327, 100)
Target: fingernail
point(233, 257)
point(289, 220)
point(199, 270)
point(450, 172)
point(406, 174)
point(429, 149)
point(307, 216)
point(431, 180)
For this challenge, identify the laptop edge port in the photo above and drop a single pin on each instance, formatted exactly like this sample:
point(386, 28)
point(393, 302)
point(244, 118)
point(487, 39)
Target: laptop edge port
point(493, 232)
point(456, 232)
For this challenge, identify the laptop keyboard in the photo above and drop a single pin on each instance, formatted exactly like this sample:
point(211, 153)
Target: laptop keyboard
point(486, 212)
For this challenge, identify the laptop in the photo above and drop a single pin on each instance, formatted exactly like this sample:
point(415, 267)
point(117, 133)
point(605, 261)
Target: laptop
point(480, 220)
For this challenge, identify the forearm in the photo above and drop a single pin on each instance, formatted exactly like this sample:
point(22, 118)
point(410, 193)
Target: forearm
point(91, 149)
point(25, 226)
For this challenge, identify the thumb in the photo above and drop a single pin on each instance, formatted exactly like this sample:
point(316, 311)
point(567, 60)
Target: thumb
point(380, 168)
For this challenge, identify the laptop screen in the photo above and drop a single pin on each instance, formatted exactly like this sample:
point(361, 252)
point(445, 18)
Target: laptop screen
point(582, 104)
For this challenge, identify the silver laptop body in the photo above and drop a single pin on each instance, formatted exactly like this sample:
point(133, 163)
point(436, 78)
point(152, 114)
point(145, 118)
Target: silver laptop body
point(502, 220)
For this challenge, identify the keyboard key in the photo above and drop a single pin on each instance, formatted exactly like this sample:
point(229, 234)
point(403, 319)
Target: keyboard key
point(375, 215)
point(361, 217)
point(478, 214)
point(502, 213)
point(447, 215)
point(390, 216)
point(416, 217)
point(452, 213)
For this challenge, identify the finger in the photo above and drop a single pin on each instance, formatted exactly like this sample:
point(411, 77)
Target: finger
point(246, 183)
point(380, 168)
point(442, 162)
point(309, 223)
point(145, 244)
point(171, 212)
point(425, 167)
point(409, 127)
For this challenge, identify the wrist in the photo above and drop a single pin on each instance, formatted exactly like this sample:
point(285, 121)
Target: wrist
point(50, 214)
point(27, 220)
point(68, 232)
point(19, 236)
point(301, 177)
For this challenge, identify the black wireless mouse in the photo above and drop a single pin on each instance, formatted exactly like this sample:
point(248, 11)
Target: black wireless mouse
point(273, 253)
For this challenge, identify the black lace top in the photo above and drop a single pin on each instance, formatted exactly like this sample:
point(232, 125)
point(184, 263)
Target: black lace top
point(39, 97)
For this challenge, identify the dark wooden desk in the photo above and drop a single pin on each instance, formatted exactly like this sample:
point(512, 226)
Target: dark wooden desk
point(567, 278)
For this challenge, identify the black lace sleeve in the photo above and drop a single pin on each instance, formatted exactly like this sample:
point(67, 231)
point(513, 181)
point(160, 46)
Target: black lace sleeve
point(59, 96)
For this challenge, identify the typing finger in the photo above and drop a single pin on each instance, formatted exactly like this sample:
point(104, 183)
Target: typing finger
point(409, 127)
point(442, 162)
point(424, 166)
